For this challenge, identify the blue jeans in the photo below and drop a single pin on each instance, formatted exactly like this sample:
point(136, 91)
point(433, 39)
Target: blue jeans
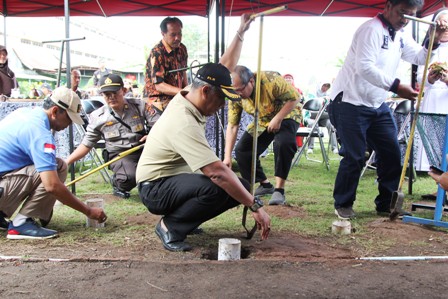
point(358, 126)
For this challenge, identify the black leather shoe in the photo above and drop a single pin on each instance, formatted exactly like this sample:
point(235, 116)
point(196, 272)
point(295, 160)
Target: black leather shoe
point(3, 222)
point(121, 193)
point(169, 241)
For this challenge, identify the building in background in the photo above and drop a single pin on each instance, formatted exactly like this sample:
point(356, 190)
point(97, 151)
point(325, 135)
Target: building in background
point(36, 62)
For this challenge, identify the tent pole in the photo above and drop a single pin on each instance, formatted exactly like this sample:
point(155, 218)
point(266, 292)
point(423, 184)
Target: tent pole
point(67, 74)
point(223, 47)
point(218, 13)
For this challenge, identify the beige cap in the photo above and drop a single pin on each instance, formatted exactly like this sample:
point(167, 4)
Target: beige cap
point(68, 100)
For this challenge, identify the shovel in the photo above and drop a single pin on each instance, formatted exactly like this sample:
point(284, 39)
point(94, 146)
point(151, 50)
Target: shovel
point(396, 202)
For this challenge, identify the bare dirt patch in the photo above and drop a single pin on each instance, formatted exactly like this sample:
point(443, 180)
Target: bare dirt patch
point(286, 265)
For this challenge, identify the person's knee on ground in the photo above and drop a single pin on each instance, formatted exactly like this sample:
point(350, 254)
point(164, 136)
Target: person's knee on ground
point(124, 182)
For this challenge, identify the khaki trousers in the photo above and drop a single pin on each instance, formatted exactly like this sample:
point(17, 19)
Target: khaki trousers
point(25, 186)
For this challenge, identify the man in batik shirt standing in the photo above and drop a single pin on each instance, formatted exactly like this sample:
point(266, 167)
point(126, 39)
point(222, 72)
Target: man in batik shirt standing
point(170, 54)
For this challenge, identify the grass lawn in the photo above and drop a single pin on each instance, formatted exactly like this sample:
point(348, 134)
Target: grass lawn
point(308, 190)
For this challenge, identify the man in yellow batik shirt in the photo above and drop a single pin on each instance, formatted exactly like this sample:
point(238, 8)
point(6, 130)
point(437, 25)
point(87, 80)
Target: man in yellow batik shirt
point(280, 114)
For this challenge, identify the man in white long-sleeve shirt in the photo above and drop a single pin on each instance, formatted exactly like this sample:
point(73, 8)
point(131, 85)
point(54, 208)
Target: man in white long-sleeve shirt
point(358, 110)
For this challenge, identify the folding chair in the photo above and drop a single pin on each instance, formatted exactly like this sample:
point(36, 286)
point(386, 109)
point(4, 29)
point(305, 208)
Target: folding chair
point(313, 105)
point(402, 108)
point(332, 136)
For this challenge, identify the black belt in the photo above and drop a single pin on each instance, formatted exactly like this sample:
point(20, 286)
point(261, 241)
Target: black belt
point(148, 183)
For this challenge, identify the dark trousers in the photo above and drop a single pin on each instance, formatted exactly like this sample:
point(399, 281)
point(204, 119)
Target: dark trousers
point(285, 147)
point(358, 126)
point(186, 201)
point(124, 171)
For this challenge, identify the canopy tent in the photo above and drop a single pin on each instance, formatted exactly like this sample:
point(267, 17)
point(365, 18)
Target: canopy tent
point(110, 8)
point(329, 8)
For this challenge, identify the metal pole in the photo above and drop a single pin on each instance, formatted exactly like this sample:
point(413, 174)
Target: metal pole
point(208, 39)
point(398, 197)
point(269, 11)
point(413, 82)
point(61, 56)
point(217, 33)
point(223, 46)
point(419, 20)
point(218, 13)
point(188, 67)
point(67, 74)
point(257, 101)
point(120, 156)
point(414, 69)
point(257, 92)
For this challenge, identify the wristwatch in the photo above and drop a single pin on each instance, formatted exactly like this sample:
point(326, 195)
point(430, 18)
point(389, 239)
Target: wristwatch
point(258, 203)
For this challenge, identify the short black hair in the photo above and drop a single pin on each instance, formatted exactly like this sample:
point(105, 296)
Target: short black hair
point(48, 103)
point(168, 20)
point(413, 3)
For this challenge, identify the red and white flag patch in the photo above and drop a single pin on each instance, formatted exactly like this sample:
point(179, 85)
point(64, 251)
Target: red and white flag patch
point(49, 148)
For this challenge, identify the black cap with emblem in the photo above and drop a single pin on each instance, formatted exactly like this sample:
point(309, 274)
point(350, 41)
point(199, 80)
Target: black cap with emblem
point(218, 75)
point(111, 82)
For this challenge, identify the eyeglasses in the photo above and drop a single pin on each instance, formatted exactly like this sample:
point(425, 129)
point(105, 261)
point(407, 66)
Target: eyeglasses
point(238, 90)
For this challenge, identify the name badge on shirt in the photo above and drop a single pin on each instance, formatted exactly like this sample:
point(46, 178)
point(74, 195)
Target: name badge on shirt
point(137, 128)
point(112, 134)
point(385, 42)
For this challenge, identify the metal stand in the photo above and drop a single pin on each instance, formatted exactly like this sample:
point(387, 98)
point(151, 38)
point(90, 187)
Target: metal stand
point(416, 206)
point(63, 42)
point(439, 207)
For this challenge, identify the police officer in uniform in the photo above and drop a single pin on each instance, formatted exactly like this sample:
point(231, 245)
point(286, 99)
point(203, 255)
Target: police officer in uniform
point(102, 71)
point(122, 123)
